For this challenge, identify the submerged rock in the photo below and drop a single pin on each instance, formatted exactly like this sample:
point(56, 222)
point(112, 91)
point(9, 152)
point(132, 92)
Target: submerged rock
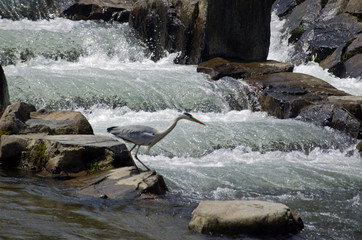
point(121, 183)
point(4, 92)
point(63, 154)
point(21, 118)
point(244, 217)
point(219, 67)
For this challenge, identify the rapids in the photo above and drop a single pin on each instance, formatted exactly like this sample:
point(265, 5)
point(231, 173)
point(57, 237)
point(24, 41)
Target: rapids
point(102, 70)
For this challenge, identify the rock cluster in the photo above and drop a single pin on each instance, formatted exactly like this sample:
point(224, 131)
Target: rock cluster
point(244, 217)
point(62, 144)
point(284, 94)
point(328, 31)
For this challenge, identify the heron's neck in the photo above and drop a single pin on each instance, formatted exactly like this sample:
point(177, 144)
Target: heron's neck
point(162, 134)
point(169, 129)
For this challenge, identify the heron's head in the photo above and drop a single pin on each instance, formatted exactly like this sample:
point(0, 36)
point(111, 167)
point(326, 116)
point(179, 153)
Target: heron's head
point(188, 116)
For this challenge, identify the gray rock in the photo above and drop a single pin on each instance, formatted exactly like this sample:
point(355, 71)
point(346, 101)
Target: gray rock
point(333, 116)
point(63, 154)
point(219, 67)
point(353, 66)
point(355, 46)
point(121, 183)
point(244, 217)
point(334, 32)
point(13, 119)
point(4, 92)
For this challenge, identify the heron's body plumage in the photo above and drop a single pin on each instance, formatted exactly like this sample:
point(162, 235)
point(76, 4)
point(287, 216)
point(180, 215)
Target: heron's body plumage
point(141, 135)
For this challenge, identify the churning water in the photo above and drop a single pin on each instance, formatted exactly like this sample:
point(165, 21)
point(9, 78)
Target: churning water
point(101, 70)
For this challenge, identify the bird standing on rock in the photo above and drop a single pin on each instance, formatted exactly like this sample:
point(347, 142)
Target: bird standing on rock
point(141, 135)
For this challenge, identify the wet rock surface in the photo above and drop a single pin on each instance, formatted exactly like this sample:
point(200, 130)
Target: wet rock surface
point(244, 217)
point(217, 68)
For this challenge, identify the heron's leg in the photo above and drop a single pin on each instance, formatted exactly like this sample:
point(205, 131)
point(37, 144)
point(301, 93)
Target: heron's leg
point(140, 160)
point(130, 154)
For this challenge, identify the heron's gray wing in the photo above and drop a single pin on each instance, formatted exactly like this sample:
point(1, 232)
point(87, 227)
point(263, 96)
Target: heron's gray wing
point(137, 134)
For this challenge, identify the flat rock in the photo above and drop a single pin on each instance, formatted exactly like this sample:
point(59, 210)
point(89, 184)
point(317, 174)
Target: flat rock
point(244, 217)
point(353, 66)
point(126, 4)
point(121, 183)
point(63, 154)
point(219, 67)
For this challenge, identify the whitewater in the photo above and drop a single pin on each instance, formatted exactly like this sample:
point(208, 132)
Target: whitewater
point(102, 70)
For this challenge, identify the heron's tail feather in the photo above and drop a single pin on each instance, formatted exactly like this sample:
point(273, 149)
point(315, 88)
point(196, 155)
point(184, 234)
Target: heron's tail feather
point(110, 129)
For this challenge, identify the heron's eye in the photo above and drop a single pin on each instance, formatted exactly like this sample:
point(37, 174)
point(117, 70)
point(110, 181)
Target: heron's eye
point(188, 114)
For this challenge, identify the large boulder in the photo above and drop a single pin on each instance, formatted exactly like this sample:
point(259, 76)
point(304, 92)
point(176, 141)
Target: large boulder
point(22, 118)
point(63, 154)
point(219, 67)
point(202, 29)
point(4, 92)
point(244, 217)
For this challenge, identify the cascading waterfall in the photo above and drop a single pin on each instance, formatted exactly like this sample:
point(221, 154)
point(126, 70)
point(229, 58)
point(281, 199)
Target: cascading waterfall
point(102, 70)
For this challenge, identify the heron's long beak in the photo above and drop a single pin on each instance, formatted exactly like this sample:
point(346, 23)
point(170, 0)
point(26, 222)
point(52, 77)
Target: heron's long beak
point(195, 120)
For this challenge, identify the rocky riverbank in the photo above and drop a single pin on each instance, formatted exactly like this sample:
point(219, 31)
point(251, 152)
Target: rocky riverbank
point(61, 143)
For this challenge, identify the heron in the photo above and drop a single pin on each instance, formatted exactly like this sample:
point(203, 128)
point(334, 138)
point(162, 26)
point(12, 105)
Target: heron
point(141, 135)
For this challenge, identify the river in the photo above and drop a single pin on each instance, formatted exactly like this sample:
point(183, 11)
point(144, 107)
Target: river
point(101, 70)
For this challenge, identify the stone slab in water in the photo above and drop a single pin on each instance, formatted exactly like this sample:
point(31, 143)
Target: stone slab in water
point(244, 217)
point(63, 154)
point(121, 183)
